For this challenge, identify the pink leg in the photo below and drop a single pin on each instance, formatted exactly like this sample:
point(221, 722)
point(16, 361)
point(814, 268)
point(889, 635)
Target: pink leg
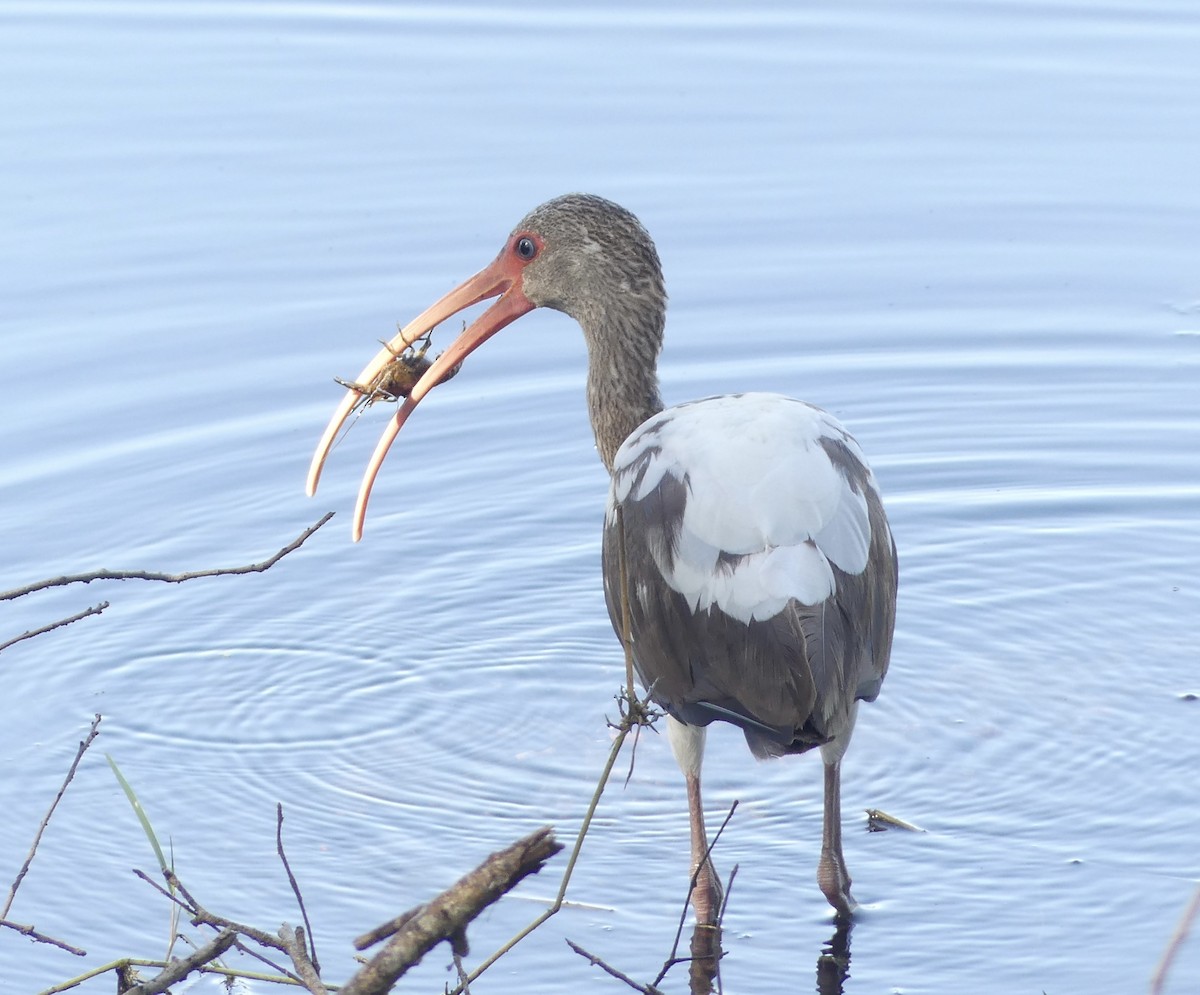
point(706, 896)
point(832, 874)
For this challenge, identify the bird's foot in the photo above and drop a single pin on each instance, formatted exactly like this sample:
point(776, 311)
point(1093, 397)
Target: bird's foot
point(834, 879)
point(706, 896)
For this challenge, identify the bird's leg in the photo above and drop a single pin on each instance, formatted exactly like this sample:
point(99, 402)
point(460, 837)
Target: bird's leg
point(832, 874)
point(687, 743)
point(706, 895)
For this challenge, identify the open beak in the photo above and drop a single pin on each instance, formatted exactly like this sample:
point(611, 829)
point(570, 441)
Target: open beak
point(502, 278)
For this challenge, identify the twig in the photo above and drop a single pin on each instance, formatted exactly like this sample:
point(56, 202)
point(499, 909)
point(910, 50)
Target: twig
point(1159, 977)
point(312, 943)
point(125, 963)
point(462, 974)
point(728, 889)
point(383, 931)
point(117, 966)
point(177, 970)
point(94, 610)
point(39, 937)
point(288, 978)
point(627, 723)
point(305, 967)
point(635, 712)
point(608, 968)
point(200, 916)
point(638, 707)
point(93, 732)
point(447, 916)
point(674, 958)
point(177, 578)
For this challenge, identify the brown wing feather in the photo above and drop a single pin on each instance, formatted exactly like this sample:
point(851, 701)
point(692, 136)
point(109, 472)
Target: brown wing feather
point(789, 681)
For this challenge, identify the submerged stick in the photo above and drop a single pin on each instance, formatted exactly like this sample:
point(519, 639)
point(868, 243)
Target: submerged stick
point(447, 916)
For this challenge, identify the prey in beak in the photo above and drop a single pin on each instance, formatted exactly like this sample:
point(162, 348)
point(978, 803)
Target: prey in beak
point(501, 279)
point(398, 378)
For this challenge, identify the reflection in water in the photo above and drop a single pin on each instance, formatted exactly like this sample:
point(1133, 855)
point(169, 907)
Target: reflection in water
point(833, 964)
point(705, 966)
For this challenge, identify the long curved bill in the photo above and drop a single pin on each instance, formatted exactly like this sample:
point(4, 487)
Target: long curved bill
point(499, 278)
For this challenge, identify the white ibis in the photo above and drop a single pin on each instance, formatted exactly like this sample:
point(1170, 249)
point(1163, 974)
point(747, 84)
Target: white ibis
point(760, 569)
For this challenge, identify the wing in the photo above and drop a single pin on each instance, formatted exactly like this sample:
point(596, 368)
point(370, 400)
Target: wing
point(760, 566)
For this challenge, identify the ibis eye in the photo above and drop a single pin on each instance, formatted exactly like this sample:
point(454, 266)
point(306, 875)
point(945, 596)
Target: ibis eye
point(526, 247)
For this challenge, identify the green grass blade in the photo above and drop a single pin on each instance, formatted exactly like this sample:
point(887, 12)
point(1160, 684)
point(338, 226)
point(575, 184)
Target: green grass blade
point(139, 812)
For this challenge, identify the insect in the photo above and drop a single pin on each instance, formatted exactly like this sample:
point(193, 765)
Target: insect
point(399, 377)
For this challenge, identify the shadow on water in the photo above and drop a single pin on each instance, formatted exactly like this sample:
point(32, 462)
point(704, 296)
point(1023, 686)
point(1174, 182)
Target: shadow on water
point(833, 962)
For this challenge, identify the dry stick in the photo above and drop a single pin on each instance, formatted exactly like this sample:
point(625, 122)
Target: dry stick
point(124, 964)
point(128, 962)
point(674, 958)
point(1181, 931)
point(637, 714)
point(626, 617)
point(284, 976)
point(308, 971)
point(609, 969)
point(462, 974)
point(312, 943)
point(94, 610)
point(35, 935)
point(389, 928)
point(447, 916)
point(202, 917)
point(178, 578)
point(84, 744)
point(575, 851)
point(177, 970)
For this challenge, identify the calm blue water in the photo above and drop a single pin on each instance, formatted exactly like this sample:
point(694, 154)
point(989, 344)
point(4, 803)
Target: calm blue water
point(968, 229)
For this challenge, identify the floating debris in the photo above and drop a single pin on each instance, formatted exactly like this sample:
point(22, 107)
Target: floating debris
point(879, 821)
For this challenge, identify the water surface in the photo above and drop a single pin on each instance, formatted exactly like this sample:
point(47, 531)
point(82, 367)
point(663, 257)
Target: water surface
point(967, 229)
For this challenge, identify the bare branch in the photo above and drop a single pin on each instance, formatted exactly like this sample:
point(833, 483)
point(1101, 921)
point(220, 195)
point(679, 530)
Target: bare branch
point(39, 937)
point(94, 610)
point(1176, 941)
point(177, 970)
point(123, 967)
point(384, 930)
point(312, 943)
point(673, 958)
point(447, 916)
point(200, 916)
point(463, 980)
point(294, 941)
point(177, 578)
point(287, 976)
point(84, 744)
point(637, 714)
point(609, 969)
